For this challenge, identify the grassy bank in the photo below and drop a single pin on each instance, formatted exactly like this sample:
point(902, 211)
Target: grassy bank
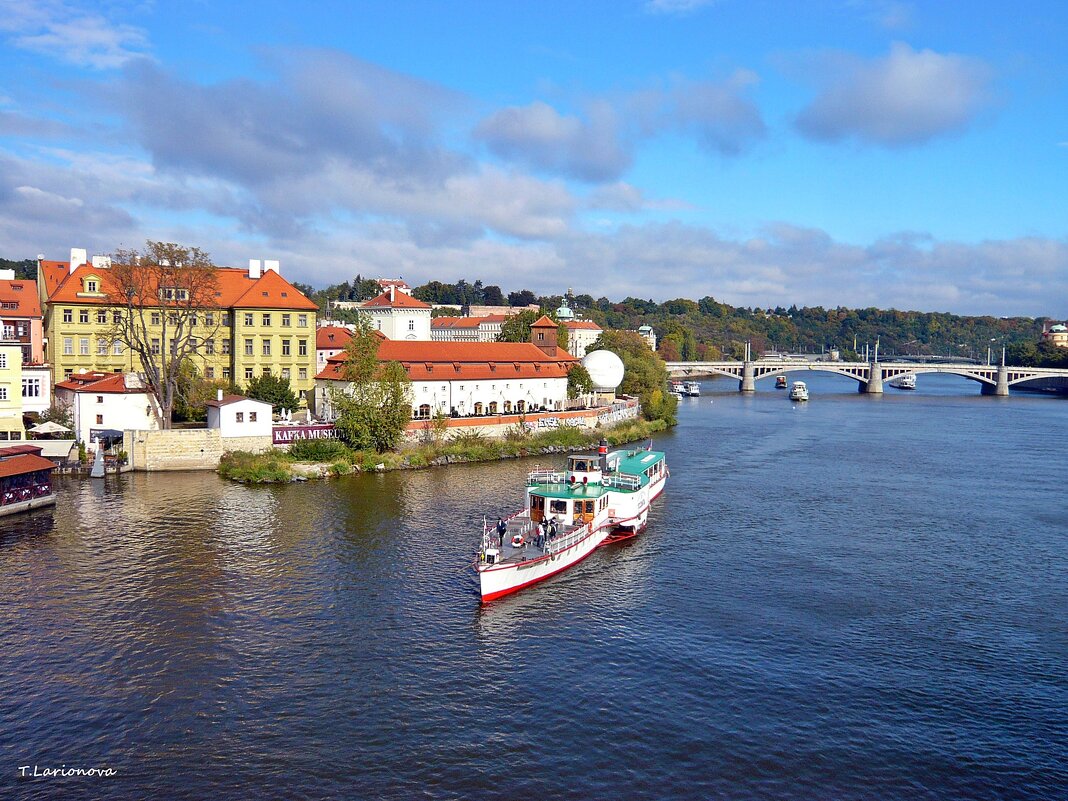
point(321, 458)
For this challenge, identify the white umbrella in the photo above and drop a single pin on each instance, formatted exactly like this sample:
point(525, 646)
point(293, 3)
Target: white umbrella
point(48, 427)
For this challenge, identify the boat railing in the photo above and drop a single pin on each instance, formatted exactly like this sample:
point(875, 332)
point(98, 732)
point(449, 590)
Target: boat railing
point(623, 481)
point(564, 541)
point(540, 476)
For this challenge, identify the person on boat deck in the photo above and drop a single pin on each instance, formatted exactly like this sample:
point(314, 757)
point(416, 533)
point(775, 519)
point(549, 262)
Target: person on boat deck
point(539, 536)
point(552, 529)
point(502, 529)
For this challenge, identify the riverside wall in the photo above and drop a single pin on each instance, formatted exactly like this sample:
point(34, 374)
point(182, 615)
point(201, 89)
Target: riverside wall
point(185, 449)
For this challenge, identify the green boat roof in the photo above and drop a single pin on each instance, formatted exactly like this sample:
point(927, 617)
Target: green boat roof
point(577, 491)
point(636, 463)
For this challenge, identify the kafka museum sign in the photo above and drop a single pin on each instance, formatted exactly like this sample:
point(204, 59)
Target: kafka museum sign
point(284, 435)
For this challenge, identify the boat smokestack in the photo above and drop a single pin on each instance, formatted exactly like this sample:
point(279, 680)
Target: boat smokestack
point(602, 454)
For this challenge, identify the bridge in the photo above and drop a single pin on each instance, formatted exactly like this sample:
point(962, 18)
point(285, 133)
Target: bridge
point(994, 379)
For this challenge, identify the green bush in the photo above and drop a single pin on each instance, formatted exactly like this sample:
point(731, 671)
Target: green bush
point(319, 450)
point(255, 468)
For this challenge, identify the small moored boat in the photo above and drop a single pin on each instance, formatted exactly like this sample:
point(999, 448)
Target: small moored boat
point(799, 391)
point(600, 497)
point(780, 382)
point(691, 389)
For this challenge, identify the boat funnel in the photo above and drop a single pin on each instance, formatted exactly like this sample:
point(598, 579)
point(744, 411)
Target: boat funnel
point(602, 454)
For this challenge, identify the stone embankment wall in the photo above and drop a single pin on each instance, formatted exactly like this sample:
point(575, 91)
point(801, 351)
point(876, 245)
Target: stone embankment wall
point(185, 449)
point(499, 425)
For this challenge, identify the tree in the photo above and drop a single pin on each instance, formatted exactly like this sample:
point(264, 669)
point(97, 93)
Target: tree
point(59, 413)
point(516, 328)
point(372, 413)
point(579, 381)
point(165, 291)
point(523, 297)
point(492, 296)
point(644, 373)
point(274, 390)
point(194, 392)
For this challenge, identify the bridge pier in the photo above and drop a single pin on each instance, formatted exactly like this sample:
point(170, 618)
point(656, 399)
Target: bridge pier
point(1001, 389)
point(748, 377)
point(874, 385)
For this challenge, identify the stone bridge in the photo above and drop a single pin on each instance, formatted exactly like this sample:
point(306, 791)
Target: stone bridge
point(993, 379)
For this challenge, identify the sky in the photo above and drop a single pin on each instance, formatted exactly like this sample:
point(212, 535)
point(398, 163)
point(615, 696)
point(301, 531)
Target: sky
point(905, 155)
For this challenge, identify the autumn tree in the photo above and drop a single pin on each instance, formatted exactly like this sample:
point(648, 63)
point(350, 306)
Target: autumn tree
point(644, 373)
point(166, 294)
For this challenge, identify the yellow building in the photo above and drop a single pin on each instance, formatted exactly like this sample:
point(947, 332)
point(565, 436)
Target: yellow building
point(11, 392)
point(259, 323)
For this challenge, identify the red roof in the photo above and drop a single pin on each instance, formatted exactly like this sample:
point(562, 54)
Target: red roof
point(466, 322)
point(228, 399)
point(103, 383)
point(544, 322)
point(233, 288)
point(23, 293)
point(16, 450)
point(587, 325)
point(332, 336)
point(399, 300)
point(26, 463)
point(426, 361)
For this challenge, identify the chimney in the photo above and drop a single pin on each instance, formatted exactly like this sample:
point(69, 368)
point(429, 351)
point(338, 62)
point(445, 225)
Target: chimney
point(271, 264)
point(392, 293)
point(101, 262)
point(7, 275)
point(254, 268)
point(78, 257)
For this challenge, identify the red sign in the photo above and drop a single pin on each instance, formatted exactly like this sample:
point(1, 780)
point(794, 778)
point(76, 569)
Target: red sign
point(283, 435)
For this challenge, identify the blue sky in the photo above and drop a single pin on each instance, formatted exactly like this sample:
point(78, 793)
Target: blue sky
point(834, 152)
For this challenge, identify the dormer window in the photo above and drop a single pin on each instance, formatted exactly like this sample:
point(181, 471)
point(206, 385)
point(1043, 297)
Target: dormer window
point(173, 293)
point(91, 284)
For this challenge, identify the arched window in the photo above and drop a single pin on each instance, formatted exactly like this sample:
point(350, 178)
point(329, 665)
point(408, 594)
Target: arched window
point(521, 406)
point(424, 410)
point(493, 407)
point(478, 410)
point(507, 407)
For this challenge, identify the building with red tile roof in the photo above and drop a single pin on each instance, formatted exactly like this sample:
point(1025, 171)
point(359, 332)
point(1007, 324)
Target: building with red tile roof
point(21, 319)
point(330, 340)
point(467, 329)
point(463, 379)
point(254, 322)
point(101, 402)
point(398, 315)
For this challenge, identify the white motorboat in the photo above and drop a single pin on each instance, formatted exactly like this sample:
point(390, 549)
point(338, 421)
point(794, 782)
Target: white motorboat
point(691, 389)
point(799, 391)
point(904, 381)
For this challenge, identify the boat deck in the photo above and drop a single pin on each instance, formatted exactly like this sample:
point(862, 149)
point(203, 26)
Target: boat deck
point(521, 524)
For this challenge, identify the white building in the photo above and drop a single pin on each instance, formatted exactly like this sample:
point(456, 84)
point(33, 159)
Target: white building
point(330, 340)
point(470, 379)
point(467, 329)
point(108, 402)
point(646, 332)
point(398, 315)
point(238, 416)
point(36, 387)
point(581, 334)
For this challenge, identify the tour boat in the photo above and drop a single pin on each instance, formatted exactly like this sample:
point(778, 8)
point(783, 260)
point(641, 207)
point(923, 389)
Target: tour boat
point(780, 382)
point(799, 391)
point(677, 387)
point(600, 497)
point(675, 395)
point(904, 381)
point(691, 389)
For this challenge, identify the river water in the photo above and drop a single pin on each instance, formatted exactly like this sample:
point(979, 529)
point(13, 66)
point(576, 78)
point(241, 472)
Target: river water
point(855, 598)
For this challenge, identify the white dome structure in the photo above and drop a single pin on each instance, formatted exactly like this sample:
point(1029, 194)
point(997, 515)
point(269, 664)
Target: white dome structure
point(605, 368)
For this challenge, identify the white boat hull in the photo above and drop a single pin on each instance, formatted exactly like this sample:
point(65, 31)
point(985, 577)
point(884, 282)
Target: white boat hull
point(499, 580)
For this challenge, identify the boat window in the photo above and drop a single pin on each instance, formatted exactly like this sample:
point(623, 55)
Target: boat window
point(558, 507)
point(579, 465)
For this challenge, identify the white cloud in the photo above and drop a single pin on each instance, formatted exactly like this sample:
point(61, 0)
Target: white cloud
point(680, 7)
point(905, 98)
point(65, 32)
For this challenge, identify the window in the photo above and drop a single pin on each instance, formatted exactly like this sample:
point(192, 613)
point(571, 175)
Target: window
point(267, 319)
point(172, 319)
point(67, 372)
point(102, 317)
point(239, 417)
point(424, 411)
point(116, 348)
point(173, 293)
point(91, 285)
point(248, 347)
point(155, 345)
point(155, 318)
point(493, 407)
point(226, 318)
point(100, 419)
point(174, 347)
point(226, 372)
point(411, 325)
point(285, 347)
point(285, 373)
point(252, 416)
point(248, 318)
point(83, 346)
point(68, 316)
point(9, 332)
point(68, 346)
point(248, 373)
point(541, 336)
point(83, 315)
point(101, 346)
point(302, 373)
point(226, 347)
point(209, 318)
point(302, 321)
point(209, 347)
point(209, 372)
point(266, 345)
point(3, 393)
point(478, 409)
point(302, 347)
point(116, 318)
point(99, 398)
point(266, 370)
point(3, 360)
point(286, 320)
point(31, 387)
